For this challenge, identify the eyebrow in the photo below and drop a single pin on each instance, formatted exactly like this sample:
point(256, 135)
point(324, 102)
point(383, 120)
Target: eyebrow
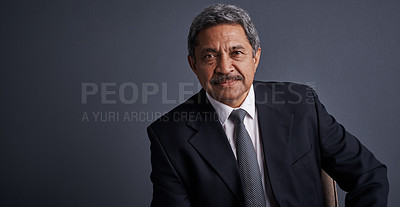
point(208, 50)
point(236, 47)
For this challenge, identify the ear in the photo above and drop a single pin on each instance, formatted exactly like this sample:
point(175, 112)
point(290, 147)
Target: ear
point(192, 63)
point(256, 58)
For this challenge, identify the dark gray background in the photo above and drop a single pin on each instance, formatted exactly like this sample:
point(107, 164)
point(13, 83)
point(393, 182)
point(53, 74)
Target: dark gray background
point(349, 51)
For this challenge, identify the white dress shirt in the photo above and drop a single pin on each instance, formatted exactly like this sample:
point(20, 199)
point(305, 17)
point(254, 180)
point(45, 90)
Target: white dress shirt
point(250, 122)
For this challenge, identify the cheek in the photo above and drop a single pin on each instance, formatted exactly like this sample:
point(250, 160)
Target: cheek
point(249, 75)
point(204, 76)
point(248, 69)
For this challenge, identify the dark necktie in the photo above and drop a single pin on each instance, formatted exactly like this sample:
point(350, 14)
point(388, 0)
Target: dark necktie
point(247, 161)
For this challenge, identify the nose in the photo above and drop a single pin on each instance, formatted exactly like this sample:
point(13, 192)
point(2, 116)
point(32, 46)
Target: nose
point(225, 65)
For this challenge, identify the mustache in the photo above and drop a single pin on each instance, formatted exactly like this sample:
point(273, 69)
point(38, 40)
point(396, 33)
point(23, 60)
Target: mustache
point(222, 78)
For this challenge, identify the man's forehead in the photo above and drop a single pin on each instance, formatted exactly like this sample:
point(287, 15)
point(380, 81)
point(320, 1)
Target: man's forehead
point(228, 36)
point(222, 30)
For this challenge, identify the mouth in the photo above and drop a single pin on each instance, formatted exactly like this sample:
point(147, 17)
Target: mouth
point(225, 80)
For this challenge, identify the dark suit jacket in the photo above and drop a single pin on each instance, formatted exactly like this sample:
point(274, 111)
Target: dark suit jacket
point(193, 163)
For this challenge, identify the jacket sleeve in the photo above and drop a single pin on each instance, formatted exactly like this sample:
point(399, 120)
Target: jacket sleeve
point(351, 164)
point(168, 189)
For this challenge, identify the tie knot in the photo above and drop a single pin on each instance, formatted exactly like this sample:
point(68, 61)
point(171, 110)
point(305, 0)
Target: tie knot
point(237, 116)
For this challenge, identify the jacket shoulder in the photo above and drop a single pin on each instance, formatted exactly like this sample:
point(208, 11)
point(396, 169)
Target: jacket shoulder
point(283, 92)
point(177, 117)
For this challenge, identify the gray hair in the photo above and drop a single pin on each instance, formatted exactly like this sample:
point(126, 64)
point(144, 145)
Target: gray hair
point(222, 14)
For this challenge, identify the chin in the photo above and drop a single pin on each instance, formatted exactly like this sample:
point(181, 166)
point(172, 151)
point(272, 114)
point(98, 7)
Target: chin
point(227, 98)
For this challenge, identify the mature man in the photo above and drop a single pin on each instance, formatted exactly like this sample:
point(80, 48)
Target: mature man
point(240, 142)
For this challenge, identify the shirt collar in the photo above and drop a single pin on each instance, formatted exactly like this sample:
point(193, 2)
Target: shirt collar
point(224, 110)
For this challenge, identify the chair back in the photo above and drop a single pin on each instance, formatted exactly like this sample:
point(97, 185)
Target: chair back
point(329, 190)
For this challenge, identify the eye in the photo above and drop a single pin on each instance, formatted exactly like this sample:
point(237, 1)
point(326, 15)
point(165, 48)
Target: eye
point(237, 53)
point(209, 56)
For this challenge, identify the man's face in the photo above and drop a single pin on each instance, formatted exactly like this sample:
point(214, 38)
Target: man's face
point(224, 63)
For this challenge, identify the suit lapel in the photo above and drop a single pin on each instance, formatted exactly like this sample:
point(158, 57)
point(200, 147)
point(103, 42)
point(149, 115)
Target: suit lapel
point(275, 127)
point(212, 144)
